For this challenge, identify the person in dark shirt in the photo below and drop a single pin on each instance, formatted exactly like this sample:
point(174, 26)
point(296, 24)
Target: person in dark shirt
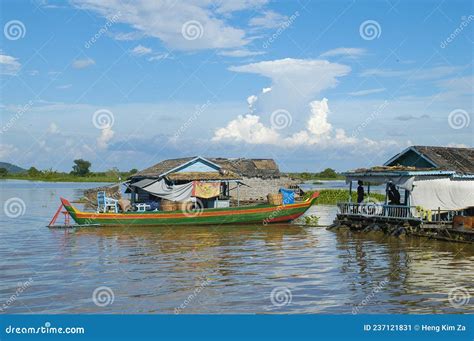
point(393, 195)
point(360, 192)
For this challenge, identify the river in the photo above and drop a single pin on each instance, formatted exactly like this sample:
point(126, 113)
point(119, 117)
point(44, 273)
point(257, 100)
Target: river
point(235, 269)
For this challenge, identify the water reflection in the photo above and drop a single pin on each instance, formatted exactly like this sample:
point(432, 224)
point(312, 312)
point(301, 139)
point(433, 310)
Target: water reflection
point(157, 269)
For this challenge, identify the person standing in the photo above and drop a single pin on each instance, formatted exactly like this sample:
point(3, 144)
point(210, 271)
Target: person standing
point(360, 192)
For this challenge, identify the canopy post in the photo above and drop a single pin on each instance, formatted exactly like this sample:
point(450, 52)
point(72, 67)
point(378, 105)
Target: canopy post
point(350, 191)
point(238, 194)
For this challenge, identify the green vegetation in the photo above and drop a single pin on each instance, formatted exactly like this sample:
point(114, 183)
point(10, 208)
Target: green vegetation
point(333, 196)
point(81, 167)
point(80, 173)
point(327, 174)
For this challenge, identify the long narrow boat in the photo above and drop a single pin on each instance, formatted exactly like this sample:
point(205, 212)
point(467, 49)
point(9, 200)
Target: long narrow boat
point(261, 214)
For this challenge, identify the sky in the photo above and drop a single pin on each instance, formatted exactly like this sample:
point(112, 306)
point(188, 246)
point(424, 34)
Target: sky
point(311, 84)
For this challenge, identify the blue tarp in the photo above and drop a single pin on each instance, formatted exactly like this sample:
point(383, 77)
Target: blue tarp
point(288, 196)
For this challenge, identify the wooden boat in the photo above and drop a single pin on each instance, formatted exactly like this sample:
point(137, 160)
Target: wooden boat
point(261, 214)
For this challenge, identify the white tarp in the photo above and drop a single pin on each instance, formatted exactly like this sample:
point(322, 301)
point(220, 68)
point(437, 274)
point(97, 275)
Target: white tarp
point(445, 193)
point(174, 193)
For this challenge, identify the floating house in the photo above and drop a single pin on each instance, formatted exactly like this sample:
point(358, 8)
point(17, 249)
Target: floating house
point(215, 181)
point(424, 186)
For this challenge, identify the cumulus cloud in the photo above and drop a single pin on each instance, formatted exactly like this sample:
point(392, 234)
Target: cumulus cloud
point(9, 65)
point(295, 85)
point(104, 138)
point(82, 63)
point(303, 77)
point(318, 131)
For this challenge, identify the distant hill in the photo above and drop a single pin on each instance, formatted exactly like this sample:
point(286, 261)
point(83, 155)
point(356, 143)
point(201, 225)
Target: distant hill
point(12, 168)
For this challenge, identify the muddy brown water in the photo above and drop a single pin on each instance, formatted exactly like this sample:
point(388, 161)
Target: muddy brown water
point(226, 269)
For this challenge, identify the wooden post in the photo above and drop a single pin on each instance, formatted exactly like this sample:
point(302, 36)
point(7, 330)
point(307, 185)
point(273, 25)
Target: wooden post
point(132, 196)
point(238, 193)
point(350, 192)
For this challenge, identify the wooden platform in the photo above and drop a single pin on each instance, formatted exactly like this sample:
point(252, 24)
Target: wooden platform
point(397, 226)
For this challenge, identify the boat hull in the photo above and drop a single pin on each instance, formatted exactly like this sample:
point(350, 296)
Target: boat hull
point(262, 214)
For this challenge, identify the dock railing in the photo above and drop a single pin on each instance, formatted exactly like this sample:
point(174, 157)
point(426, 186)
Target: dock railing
point(371, 209)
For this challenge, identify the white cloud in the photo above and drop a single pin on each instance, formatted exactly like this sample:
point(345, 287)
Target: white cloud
point(9, 65)
point(53, 128)
point(247, 129)
point(294, 85)
point(345, 51)
point(82, 63)
point(367, 92)
point(141, 50)
point(240, 53)
point(159, 56)
point(318, 131)
point(104, 138)
point(165, 20)
point(7, 150)
point(318, 123)
point(63, 87)
point(251, 100)
point(226, 6)
point(303, 76)
point(270, 19)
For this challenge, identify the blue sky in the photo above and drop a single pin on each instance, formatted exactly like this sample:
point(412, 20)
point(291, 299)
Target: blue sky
point(313, 84)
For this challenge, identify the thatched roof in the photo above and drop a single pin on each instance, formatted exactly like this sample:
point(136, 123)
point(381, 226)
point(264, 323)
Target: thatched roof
point(230, 168)
point(460, 160)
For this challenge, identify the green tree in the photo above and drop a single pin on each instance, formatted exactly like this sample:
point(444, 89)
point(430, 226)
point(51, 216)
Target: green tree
point(33, 172)
point(328, 173)
point(133, 171)
point(81, 167)
point(3, 172)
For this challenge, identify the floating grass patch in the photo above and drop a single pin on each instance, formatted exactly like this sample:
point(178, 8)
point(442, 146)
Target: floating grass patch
point(333, 196)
